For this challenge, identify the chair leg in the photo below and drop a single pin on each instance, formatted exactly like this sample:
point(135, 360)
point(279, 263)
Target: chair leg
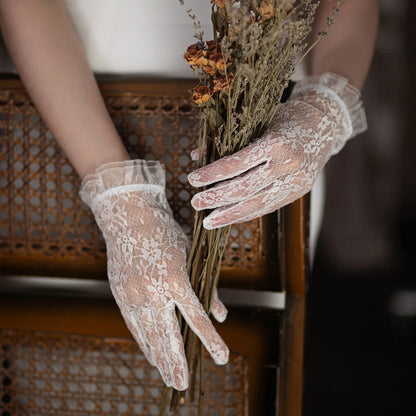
point(292, 358)
point(295, 267)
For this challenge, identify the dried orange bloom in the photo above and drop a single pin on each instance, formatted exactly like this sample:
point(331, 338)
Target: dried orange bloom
point(211, 60)
point(201, 94)
point(221, 84)
point(195, 56)
point(217, 61)
point(209, 69)
point(266, 9)
point(219, 3)
point(213, 48)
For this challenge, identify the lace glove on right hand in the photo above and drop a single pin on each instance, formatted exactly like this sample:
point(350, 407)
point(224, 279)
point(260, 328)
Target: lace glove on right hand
point(320, 116)
point(146, 252)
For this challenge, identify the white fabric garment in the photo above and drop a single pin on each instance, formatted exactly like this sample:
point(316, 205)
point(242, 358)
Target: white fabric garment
point(136, 36)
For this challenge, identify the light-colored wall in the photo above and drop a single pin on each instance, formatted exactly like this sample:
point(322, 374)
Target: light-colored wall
point(139, 37)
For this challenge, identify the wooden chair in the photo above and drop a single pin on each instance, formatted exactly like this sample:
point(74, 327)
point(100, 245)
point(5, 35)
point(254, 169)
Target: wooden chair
point(50, 246)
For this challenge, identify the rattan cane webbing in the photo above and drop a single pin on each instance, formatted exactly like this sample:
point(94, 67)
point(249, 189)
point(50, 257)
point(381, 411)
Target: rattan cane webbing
point(57, 374)
point(41, 214)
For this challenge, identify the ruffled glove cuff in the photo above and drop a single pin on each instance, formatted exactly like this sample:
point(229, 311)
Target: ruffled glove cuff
point(334, 88)
point(118, 177)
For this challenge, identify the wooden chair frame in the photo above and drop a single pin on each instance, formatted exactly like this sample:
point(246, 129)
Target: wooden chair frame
point(285, 272)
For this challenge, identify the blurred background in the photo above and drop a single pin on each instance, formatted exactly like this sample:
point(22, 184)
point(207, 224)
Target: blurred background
point(361, 339)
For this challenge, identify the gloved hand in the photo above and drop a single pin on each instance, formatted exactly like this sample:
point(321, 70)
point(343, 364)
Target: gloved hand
point(314, 124)
point(146, 252)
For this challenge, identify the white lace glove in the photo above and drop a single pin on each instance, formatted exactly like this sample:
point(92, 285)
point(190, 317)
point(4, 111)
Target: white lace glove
point(320, 116)
point(146, 252)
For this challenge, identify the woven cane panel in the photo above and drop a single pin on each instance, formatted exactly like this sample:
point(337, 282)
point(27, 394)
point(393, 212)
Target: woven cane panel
point(41, 214)
point(45, 374)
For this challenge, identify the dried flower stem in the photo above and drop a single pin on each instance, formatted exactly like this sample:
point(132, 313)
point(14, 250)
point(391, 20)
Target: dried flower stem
point(329, 23)
point(258, 49)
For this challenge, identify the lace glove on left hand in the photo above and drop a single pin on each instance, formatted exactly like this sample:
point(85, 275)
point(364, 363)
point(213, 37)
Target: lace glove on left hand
point(146, 254)
point(320, 116)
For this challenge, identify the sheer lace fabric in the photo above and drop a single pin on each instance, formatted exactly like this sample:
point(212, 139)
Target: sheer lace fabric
point(146, 251)
point(348, 98)
point(281, 166)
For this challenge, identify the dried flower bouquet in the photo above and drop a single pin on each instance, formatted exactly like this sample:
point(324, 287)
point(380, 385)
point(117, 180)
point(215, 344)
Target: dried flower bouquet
point(243, 73)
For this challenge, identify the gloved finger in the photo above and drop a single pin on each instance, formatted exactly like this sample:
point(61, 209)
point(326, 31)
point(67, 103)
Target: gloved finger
point(197, 319)
point(135, 327)
point(196, 153)
point(218, 309)
point(227, 167)
point(268, 200)
point(159, 343)
point(175, 367)
point(157, 353)
point(234, 190)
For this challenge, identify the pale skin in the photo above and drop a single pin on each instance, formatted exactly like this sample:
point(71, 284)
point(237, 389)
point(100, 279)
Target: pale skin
point(349, 46)
point(52, 64)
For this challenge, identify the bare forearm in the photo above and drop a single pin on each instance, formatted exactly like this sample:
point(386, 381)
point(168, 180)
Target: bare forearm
point(349, 46)
point(52, 64)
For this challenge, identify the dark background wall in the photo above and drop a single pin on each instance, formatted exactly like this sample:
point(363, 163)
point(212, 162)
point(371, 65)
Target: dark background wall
point(361, 344)
point(365, 180)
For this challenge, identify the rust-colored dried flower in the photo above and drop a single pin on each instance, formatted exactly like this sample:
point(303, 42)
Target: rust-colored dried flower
point(213, 48)
point(219, 3)
point(209, 69)
point(201, 94)
point(266, 9)
point(195, 56)
point(217, 61)
point(221, 84)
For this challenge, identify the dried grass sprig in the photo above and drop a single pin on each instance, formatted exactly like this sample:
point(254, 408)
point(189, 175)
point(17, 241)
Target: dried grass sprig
point(243, 73)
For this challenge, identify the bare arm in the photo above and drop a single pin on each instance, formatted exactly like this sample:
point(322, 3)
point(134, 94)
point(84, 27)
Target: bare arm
point(349, 46)
point(52, 64)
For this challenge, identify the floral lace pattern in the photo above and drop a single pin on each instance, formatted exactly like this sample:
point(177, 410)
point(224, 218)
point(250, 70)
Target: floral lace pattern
point(280, 167)
point(146, 252)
